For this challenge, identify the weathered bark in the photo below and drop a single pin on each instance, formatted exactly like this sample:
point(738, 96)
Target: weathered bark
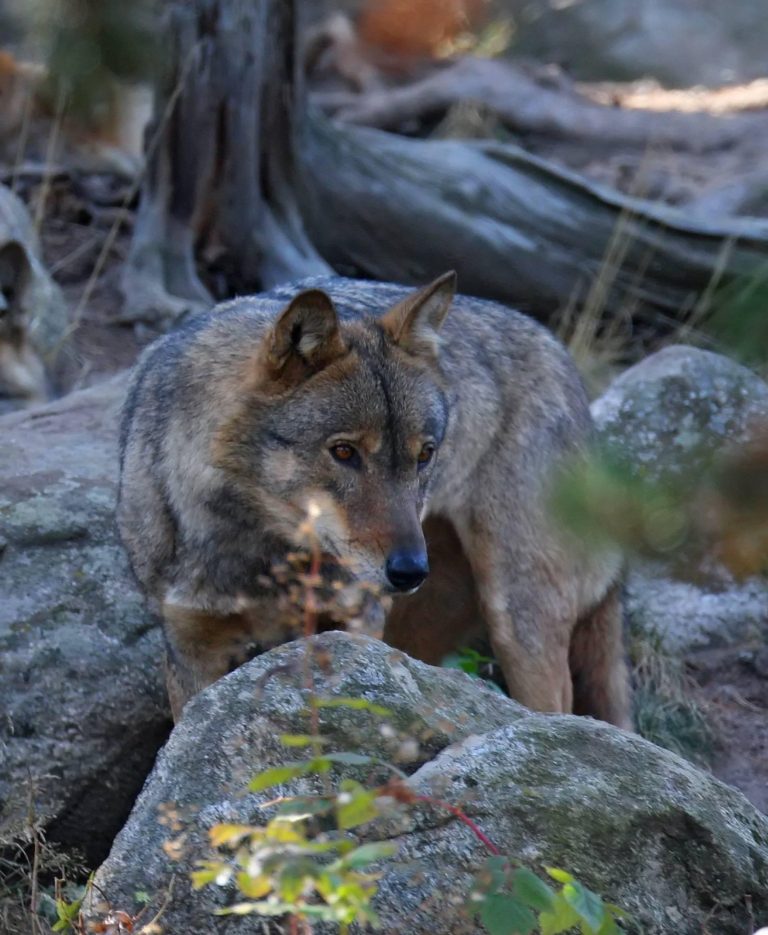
point(528, 106)
point(242, 164)
point(220, 174)
point(515, 227)
point(743, 195)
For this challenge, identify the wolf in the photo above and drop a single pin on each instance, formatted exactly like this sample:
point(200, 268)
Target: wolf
point(422, 431)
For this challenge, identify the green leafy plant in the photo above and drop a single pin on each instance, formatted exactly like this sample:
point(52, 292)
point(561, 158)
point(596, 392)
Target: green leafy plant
point(512, 900)
point(282, 870)
point(287, 867)
point(474, 663)
point(67, 914)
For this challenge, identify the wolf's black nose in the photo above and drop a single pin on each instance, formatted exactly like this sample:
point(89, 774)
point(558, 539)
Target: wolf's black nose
point(406, 570)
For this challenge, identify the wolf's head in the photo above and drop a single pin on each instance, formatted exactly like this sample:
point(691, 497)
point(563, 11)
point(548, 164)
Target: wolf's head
point(344, 421)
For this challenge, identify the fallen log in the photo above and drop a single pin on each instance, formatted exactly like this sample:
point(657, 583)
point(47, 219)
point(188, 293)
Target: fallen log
point(244, 169)
point(528, 105)
point(515, 227)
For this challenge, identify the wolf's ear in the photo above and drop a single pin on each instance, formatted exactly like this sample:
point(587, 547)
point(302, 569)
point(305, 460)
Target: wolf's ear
point(305, 338)
point(415, 322)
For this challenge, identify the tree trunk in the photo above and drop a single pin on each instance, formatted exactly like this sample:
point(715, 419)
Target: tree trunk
point(242, 164)
point(220, 166)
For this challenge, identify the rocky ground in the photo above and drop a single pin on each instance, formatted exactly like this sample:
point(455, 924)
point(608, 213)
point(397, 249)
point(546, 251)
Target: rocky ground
point(80, 680)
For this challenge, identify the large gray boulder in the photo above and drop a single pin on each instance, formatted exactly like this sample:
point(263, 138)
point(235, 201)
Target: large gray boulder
point(671, 418)
point(81, 695)
point(676, 411)
point(635, 823)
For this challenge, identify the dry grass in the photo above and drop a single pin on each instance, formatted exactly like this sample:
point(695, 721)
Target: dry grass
point(668, 711)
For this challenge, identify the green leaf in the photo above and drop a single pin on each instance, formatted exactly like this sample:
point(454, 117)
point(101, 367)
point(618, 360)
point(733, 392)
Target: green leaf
point(68, 913)
point(452, 661)
point(562, 876)
point(277, 774)
point(364, 855)
point(228, 834)
point(254, 887)
point(301, 740)
point(559, 919)
point(305, 805)
point(263, 908)
point(494, 875)
point(201, 878)
point(349, 759)
point(532, 891)
point(293, 879)
point(356, 704)
point(609, 926)
point(504, 915)
point(587, 904)
point(467, 660)
point(355, 805)
point(210, 871)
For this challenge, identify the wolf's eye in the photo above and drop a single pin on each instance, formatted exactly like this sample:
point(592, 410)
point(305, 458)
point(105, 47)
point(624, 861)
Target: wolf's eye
point(425, 455)
point(346, 454)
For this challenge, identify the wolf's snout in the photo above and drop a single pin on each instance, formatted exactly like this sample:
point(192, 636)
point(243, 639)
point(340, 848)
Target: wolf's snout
point(406, 570)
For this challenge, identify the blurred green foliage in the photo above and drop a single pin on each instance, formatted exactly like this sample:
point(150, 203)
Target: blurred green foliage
point(738, 321)
point(719, 512)
point(92, 44)
point(603, 501)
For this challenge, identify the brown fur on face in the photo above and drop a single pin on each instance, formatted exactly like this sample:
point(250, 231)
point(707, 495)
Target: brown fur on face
point(397, 427)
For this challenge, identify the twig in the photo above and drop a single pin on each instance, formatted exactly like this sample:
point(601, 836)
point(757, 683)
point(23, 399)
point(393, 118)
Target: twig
point(163, 907)
point(53, 142)
point(21, 145)
point(62, 263)
point(35, 870)
point(464, 818)
point(704, 305)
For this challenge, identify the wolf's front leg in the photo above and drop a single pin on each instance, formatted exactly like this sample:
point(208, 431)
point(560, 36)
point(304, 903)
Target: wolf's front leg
point(532, 650)
point(201, 647)
point(529, 605)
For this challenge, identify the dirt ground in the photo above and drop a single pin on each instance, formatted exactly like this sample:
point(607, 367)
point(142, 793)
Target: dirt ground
point(734, 688)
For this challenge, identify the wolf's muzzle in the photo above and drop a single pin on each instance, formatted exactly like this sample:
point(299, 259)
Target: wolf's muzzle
point(406, 570)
